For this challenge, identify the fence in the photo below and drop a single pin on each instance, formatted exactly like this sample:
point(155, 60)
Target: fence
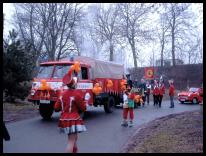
point(184, 76)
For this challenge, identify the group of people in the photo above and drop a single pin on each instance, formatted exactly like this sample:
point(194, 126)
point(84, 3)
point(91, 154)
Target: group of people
point(155, 87)
point(158, 90)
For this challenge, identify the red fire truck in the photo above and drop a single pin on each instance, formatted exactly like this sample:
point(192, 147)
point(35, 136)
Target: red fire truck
point(92, 71)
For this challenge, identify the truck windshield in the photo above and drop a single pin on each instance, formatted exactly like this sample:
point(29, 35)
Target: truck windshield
point(60, 71)
point(193, 89)
point(45, 71)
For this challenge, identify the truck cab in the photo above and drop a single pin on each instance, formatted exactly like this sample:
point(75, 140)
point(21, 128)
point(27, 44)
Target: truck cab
point(53, 73)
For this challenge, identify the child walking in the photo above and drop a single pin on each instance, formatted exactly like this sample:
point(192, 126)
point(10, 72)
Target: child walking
point(128, 107)
point(70, 122)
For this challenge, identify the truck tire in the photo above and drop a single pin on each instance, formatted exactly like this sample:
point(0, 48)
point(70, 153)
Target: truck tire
point(109, 105)
point(46, 111)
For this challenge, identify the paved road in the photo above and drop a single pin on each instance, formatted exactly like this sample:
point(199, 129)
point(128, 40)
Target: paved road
point(104, 133)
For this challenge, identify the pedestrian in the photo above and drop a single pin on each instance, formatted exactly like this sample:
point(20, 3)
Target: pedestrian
point(6, 135)
point(70, 104)
point(171, 93)
point(161, 91)
point(148, 88)
point(155, 93)
point(135, 83)
point(129, 81)
point(128, 107)
point(142, 87)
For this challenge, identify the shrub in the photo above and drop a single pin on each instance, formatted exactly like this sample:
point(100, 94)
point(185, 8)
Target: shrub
point(17, 68)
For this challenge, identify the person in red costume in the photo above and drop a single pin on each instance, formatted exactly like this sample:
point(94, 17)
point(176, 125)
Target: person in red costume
point(161, 91)
point(171, 93)
point(155, 93)
point(70, 103)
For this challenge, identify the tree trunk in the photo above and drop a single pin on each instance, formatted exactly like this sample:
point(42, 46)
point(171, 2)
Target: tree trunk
point(111, 49)
point(78, 52)
point(134, 55)
point(51, 56)
point(173, 41)
point(189, 58)
point(162, 50)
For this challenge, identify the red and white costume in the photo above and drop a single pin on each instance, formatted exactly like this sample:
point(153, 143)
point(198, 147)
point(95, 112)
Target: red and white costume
point(70, 103)
point(156, 90)
point(162, 89)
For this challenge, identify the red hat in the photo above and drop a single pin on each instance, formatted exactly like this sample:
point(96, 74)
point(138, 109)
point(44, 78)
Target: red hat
point(68, 78)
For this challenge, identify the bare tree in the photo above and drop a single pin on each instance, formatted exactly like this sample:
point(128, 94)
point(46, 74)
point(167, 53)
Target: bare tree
point(162, 34)
point(132, 17)
point(48, 26)
point(151, 61)
point(105, 26)
point(192, 49)
point(179, 18)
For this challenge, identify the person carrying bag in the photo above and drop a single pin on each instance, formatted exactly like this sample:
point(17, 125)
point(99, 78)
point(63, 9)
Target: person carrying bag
point(128, 107)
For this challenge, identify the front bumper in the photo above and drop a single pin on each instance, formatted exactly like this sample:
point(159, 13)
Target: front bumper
point(183, 99)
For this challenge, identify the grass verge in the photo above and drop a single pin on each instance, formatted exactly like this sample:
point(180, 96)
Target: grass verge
point(19, 110)
point(176, 133)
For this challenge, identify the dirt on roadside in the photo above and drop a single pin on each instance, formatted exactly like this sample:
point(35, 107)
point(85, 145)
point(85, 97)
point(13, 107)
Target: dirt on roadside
point(19, 110)
point(175, 133)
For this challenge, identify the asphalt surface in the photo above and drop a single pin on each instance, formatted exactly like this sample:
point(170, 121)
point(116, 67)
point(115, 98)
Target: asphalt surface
point(104, 132)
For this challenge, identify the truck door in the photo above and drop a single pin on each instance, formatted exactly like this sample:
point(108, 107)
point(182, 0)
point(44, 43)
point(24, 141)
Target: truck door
point(85, 84)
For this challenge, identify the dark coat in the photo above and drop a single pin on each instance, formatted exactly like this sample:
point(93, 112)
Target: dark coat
point(6, 135)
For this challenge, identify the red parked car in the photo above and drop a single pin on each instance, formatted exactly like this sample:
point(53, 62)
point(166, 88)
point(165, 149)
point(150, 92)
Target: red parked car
point(194, 95)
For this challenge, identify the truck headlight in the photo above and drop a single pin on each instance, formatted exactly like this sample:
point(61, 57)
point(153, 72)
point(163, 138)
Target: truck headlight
point(33, 92)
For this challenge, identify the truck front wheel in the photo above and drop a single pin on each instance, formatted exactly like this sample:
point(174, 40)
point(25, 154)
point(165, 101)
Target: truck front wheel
point(109, 105)
point(46, 111)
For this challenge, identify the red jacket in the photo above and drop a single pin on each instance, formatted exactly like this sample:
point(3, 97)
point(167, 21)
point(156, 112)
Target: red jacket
point(131, 96)
point(171, 90)
point(162, 89)
point(156, 90)
point(70, 104)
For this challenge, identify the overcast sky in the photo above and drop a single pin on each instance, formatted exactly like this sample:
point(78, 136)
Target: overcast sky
point(8, 10)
